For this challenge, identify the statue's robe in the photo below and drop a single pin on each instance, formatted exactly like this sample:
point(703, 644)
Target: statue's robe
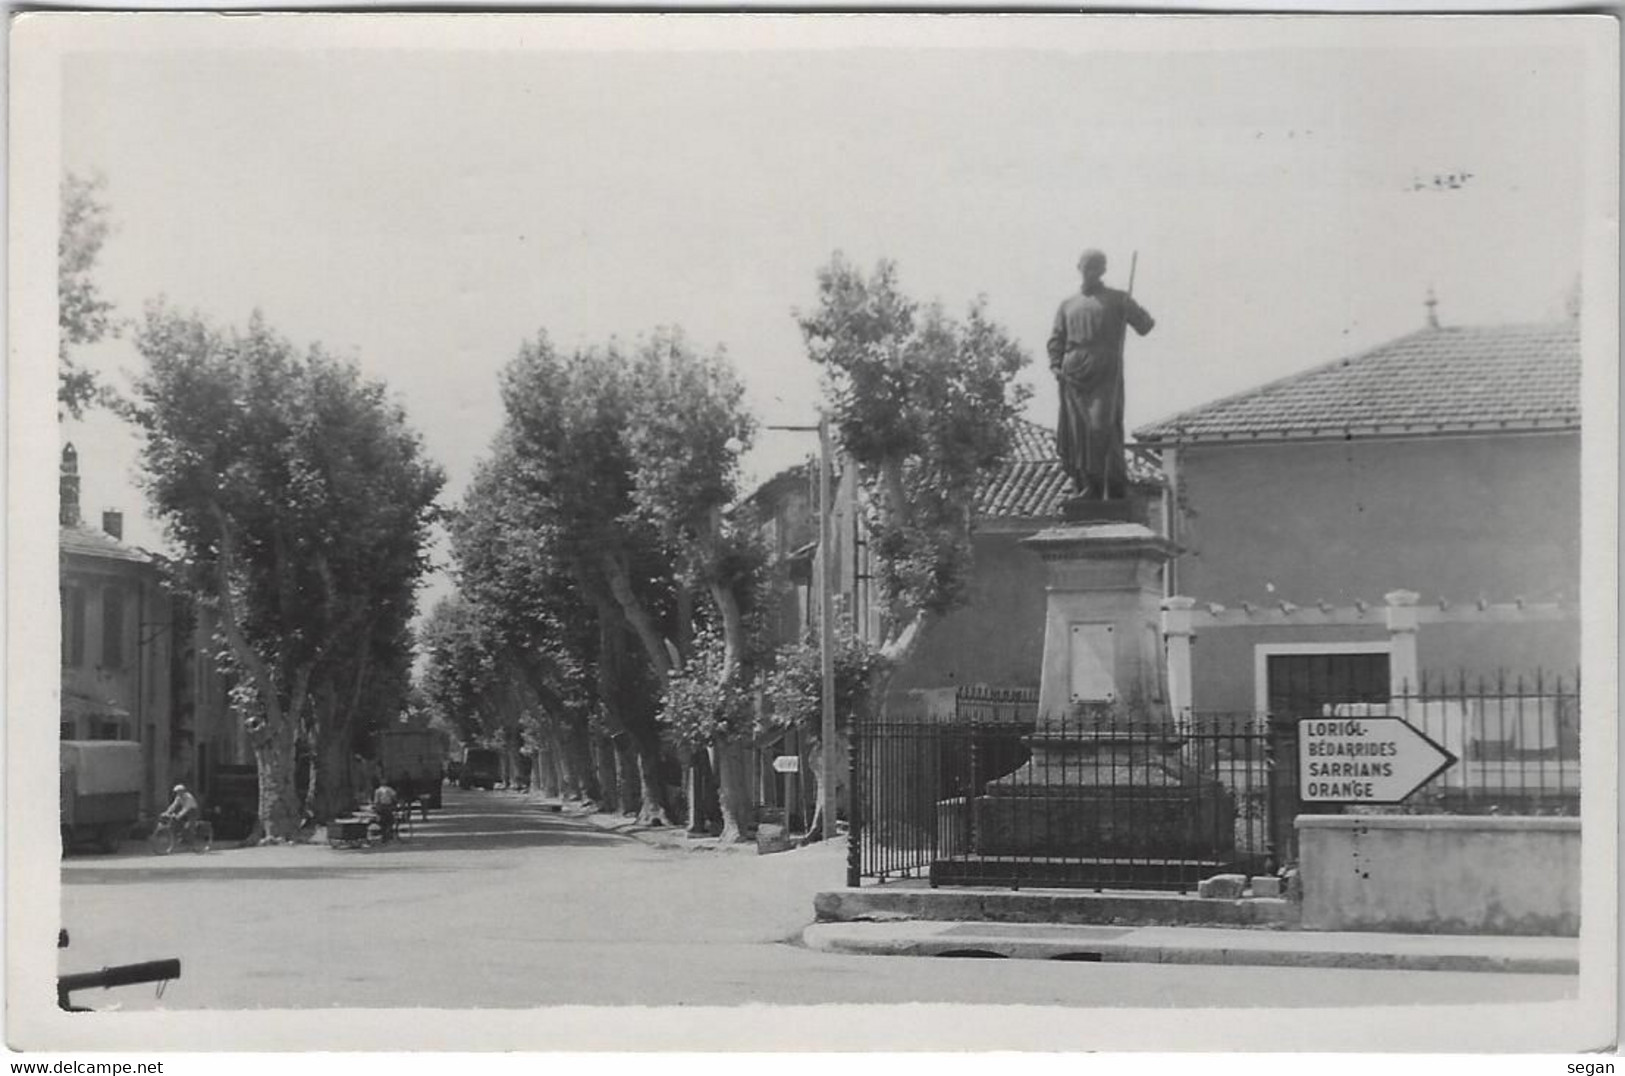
point(1086, 350)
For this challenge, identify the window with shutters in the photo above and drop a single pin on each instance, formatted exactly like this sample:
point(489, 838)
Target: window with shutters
point(73, 626)
point(113, 628)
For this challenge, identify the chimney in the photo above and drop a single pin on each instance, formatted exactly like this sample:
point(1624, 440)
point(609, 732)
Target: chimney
point(68, 508)
point(1432, 303)
point(113, 524)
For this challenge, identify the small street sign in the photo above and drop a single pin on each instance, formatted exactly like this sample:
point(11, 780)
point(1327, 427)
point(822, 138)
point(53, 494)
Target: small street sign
point(1370, 760)
point(787, 764)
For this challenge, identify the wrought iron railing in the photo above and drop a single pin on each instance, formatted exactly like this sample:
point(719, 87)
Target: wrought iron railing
point(1064, 803)
point(1516, 741)
point(1009, 800)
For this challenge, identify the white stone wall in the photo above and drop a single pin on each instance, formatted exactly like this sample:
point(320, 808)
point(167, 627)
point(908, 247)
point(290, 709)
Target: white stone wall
point(1445, 874)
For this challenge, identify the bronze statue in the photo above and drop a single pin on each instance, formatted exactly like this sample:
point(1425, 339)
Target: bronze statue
point(1086, 354)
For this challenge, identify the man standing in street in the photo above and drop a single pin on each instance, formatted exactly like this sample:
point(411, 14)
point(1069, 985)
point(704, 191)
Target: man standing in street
point(384, 800)
point(1086, 355)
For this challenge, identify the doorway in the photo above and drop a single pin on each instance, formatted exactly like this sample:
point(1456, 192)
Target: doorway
point(1298, 680)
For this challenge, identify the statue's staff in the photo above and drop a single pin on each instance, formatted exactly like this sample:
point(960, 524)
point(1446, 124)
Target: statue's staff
point(1133, 266)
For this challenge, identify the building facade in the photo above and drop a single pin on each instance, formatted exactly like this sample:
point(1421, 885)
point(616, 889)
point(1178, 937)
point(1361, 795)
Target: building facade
point(1444, 464)
point(137, 658)
point(117, 630)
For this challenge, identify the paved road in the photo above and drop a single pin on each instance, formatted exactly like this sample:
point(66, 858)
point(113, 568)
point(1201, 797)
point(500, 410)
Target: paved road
point(499, 903)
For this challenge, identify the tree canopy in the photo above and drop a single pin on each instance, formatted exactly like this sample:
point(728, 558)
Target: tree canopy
point(925, 406)
point(301, 500)
point(597, 537)
point(84, 315)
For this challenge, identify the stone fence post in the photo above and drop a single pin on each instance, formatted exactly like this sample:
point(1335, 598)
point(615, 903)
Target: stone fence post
point(1404, 670)
point(1178, 630)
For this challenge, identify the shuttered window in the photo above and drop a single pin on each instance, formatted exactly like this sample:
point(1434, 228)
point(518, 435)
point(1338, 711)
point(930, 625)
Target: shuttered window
point(113, 628)
point(73, 626)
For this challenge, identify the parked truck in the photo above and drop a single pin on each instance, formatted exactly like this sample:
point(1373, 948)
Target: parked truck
point(412, 762)
point(482, 768)
point(100, 791)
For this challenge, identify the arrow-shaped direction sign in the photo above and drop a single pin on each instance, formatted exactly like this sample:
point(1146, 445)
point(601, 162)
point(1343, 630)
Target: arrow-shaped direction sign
point(787, 764)
point(1375, 760)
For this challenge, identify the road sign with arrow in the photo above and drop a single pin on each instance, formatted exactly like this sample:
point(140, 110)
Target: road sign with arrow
point(1365, 760)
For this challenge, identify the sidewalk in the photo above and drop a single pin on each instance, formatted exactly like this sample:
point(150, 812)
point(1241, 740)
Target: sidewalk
point(673, 837)
point(1199, 945)
point(1255, 932)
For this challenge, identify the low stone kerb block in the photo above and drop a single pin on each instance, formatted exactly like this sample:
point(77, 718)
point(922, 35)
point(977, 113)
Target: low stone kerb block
point(770, 839)
point(1266, 885)
point(1222, 887)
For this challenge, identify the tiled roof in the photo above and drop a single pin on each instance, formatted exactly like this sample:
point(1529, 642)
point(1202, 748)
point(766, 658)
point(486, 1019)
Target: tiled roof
point(85, 542)
point(1031, 484)
point(1514, 377)
point(797, 476)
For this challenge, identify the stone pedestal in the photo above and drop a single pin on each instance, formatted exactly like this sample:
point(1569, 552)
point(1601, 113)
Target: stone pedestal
point(1087, 510)
point(1104, 792)
point(1102, 627)
point(1107, 779)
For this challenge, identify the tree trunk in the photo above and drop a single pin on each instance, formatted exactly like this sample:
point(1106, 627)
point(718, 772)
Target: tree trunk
point(734, 792)
point(603, 760)
point(279, 795)
point(517, 779)
point(815, 829)
point(635, 616)
point(897, 651)
point(273, 731)
point(627, 799)
point(330, 793)
point(549, 777)
point(654, 810)
point(581, 780)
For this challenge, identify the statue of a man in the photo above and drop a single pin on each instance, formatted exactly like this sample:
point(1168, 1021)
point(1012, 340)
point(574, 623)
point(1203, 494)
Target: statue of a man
point(1086, 354)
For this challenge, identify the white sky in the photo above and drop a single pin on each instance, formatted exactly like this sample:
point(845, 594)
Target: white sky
point(426, 210)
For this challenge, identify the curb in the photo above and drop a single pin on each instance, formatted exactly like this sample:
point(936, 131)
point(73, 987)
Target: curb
point(1115, 908)
point(1541, 956)
point(671, 838)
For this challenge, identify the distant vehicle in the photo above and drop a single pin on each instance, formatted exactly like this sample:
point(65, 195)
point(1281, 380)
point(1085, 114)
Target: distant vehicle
point(482, 768)
point(100, 790)
point(411, 761)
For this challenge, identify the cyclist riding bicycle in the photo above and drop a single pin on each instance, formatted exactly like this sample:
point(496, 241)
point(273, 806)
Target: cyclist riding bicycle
point(183, 809)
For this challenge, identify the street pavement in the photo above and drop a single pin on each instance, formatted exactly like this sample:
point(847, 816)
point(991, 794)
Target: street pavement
point(501, 901)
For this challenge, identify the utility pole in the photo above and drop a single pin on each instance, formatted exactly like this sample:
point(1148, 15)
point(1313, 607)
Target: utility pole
point(828, 764)
point(826, 630)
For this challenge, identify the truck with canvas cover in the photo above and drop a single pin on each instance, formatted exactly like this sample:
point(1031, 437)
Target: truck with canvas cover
point(411, 760)
point(100, 791)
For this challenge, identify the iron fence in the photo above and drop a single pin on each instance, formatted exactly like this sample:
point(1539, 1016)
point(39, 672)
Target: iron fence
point(1004, 799)
point(1073, 802)
point(980, 704)
point(1516, 742)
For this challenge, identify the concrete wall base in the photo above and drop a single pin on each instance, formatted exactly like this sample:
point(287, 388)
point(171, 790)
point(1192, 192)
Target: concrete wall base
point(1440, 874)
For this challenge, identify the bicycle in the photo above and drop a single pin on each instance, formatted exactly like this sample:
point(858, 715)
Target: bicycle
point(197, 835)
